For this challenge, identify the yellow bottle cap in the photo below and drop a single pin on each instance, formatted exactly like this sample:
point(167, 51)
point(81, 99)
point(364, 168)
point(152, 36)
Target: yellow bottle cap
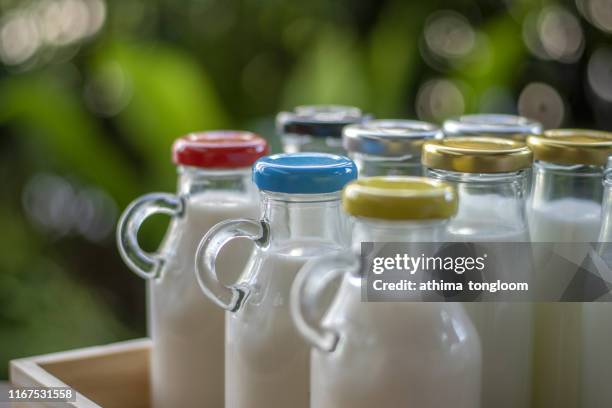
point(572, 146)
point(400, 198)
point(477, 155)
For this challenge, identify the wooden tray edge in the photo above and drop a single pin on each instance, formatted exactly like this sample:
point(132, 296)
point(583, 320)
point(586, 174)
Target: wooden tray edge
point(28, 371)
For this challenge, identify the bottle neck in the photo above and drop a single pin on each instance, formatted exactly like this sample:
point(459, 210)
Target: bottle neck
point(376, 230)
point(605, 234)
point(489, 181)
point(316, 218)
point(293, 143)
point(369, 165)
point(195, 180)
point(491, 205)
point(554, 182)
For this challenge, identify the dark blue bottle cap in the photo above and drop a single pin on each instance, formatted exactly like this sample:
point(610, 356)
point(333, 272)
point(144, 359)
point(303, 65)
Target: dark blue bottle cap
point(318, 120)
point(303, 173)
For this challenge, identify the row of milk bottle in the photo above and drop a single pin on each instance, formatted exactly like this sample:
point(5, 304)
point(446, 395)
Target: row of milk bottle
point(243, 344)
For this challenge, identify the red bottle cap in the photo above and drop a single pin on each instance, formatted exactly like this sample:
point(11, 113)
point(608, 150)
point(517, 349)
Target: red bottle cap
point(219, 148)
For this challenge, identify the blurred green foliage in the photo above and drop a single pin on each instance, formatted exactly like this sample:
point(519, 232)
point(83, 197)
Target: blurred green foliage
point(43, 309)
point(102, 113)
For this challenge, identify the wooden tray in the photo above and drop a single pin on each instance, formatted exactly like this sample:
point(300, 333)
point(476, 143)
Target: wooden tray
point(115, 375)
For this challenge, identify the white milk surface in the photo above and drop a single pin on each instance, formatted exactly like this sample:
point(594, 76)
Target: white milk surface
point(505, 328)
point(267, 361)
point(490, 208)
point(561, 359)
point(565, 220)
point(396, 354)
point(187, 328)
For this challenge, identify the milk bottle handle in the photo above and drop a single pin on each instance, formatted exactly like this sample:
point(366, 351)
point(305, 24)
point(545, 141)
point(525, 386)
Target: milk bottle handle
point(308, 286)
point(144, 264)
point(228, 297)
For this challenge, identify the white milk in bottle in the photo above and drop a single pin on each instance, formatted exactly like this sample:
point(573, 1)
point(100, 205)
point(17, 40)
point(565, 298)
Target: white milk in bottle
point(267, 362)
point(388, 354)
point(490, 177)
point(565, 206)
point(187, 344)
point(187, 329)
point(263, 349)
point(388, 147)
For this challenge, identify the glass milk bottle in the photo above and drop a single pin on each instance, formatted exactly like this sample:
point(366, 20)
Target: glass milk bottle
point(388, 147)
point(492, 124)
point(387, 354)
point(266, 360)
point(490, 176)
point(605, 234)
point(187, 330)
point(316, 128)
point(597, 321)
point(565, 206)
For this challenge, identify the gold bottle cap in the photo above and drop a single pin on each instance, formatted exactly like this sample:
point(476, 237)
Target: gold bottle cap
point(477, 155)
point(400, 198)
point(572, 146)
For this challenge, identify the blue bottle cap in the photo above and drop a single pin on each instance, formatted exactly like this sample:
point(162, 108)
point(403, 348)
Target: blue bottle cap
point(303, 173)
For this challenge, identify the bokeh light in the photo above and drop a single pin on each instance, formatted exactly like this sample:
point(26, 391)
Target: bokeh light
point(542, 102)
point(19, 38)
point(449, 34)
point(554, 34)
point(597, 12)
point(450, 41)
point(47, 24)
point(599, 73)
point(61, 208)
point(438, 99)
